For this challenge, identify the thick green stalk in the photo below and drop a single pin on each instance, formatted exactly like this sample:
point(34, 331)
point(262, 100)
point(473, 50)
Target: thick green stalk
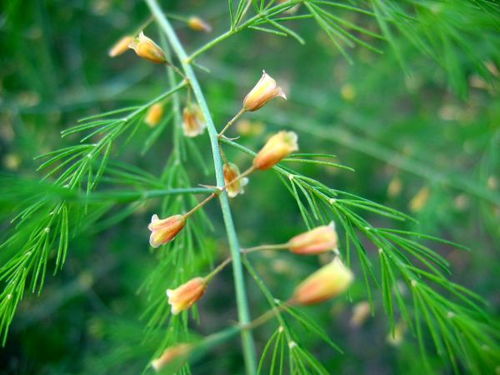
point(241, 297)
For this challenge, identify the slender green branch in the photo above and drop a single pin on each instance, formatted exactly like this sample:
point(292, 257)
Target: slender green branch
point(217, 269)
point(237, 29)
point(241, 297)
point(125, 196)
point(211, 44)
point(231, 122)
point(280, 246)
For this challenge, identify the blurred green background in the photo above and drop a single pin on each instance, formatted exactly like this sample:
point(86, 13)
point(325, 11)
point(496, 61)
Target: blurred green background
point(423, 137)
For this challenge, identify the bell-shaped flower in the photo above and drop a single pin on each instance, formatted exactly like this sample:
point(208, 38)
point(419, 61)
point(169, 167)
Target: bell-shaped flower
point(121, 46)
point(165, 230)
point(197, 24)
point(265, 90)
point(154, 114)
point(186, 295)
point(232, 173)
point(147, 49)
point(328, 282)
point(173, 356)
point(315, 241)
point(193, 121)
point(279, 146)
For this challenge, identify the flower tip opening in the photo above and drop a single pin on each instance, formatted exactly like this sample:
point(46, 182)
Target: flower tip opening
point(265, 90)
point(186, 295)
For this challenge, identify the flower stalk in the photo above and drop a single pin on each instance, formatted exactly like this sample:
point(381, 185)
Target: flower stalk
point(232, 121)
point(239, 281)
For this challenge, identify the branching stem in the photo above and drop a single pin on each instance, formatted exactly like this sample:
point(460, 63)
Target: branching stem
point(237, 29)
point(241, 296)
point(218, 191)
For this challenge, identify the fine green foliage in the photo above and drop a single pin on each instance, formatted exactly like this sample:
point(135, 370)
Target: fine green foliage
point(113, 172)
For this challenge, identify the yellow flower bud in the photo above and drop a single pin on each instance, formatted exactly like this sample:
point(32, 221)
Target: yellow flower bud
point(360, 313)
point(328, 282)
point(147, 49)
point(277, 147)
point(193, 121)
point(121, 46)
point(165, 230)
point(197, 24)
point(395, 187)
point(265, 90)
point(395, 337)
point(186, 295)
point(232, 172)
point(154, 114)
point(174, 355)
point(418, 202)
point(315, 241)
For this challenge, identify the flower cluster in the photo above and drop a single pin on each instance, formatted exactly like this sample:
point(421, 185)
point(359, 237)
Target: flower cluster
point(328, 282)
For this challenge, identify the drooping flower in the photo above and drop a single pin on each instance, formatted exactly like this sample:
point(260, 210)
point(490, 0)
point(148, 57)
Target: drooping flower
point(176, 354)
point(165, 230)
point(147, 49)
point(197, 24)
point(154, 114)
point(186, 295)
point(231, 173)
point(315, 241)
point(396, 336)
point(328, 282)
point(265, 90)
point(360, 313)
point(276, 148)
point(121, 46)
point(193, 121)
point(420, 199)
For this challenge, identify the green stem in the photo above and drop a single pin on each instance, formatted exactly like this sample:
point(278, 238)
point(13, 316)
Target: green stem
point(200, 205)
point(211, 44)
point(231, 122)
point(239, 28)
point(280, 246)
point(217, 269)
point(126, 196)
point(241, 297)
point(143, 108)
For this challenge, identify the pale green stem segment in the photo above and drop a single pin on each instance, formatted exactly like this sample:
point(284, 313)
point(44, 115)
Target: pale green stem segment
point(280, 246)
point(239, 28)
point(241, 297)
point(217, 269)
point(222, 265)
point(231, 122)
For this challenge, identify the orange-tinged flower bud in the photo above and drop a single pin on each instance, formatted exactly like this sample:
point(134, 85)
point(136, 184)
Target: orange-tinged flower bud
point(360, 313)
point(277, 147)
point(147, 49)
point(186, 295)
point(154, 114)
point(315, 241)
point(265, 90)
point(193, 121)
point(121, 46)
point(197, 24)
point(172, 355)
point(232, 172)
point(165, 230)
point(328, 282)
